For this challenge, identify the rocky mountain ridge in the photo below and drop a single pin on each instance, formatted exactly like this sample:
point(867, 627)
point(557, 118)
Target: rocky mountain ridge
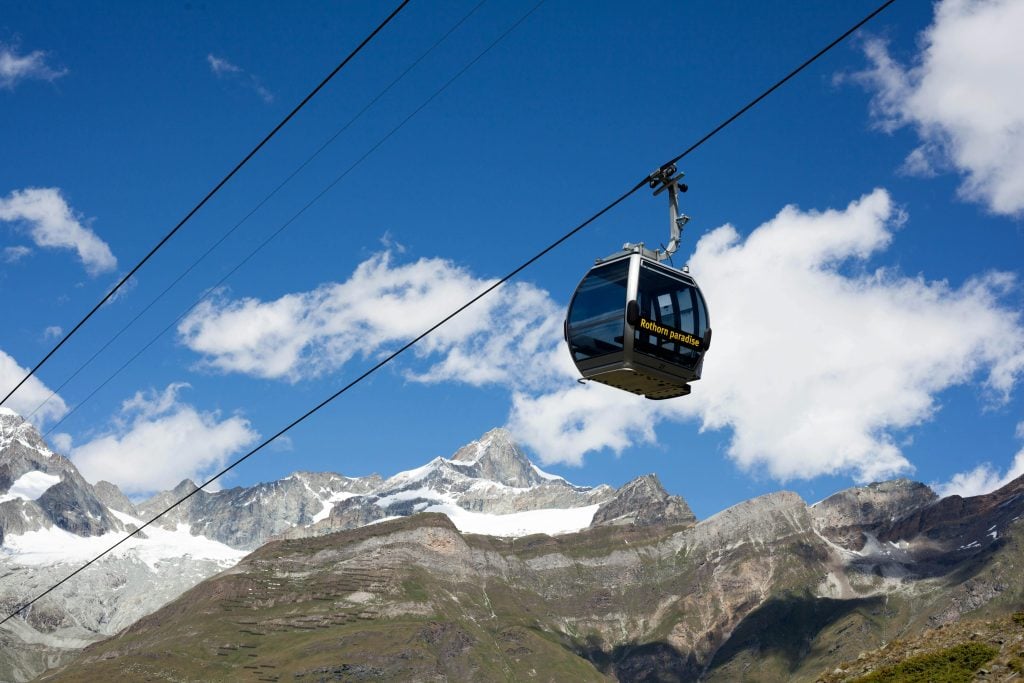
point(758, 592)
point(52, 521)
point(634, 589)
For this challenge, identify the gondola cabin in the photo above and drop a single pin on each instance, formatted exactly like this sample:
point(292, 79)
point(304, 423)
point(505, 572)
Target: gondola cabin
point(639, 325)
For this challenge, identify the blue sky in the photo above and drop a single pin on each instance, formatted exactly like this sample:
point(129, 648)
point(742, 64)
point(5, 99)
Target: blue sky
point(858, 236)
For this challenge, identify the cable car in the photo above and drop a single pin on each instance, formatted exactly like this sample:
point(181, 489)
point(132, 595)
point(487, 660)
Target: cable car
point(636, 323)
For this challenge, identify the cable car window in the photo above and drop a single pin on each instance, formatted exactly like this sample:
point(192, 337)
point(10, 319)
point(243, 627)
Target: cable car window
point(675, 307)
point(596, 313)
point(702, 314)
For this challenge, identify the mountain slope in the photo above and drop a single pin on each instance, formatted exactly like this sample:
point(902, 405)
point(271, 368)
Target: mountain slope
point(52, 521)
point(758, 592)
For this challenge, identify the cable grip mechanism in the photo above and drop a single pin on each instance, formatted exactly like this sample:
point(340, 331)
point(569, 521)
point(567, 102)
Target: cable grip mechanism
point(667, 178)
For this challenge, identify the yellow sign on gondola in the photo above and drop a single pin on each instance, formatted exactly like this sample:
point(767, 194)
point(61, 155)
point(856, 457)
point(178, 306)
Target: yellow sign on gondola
point(684, 338)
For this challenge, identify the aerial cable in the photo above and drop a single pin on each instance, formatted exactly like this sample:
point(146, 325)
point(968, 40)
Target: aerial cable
point(408, 345)
point(211, 290)
point(208, 196)
point(235, 227)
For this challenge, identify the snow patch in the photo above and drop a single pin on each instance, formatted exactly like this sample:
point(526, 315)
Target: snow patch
point(325, 512)
point(551, 521)
point(546, 475)
point(384, 519)
point(413, 494)
point(30, 486)
point(53, 546)
point(417, 474)
point(125, 517)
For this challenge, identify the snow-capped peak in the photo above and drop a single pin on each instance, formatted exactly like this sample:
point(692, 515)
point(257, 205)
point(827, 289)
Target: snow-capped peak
point(16, 429)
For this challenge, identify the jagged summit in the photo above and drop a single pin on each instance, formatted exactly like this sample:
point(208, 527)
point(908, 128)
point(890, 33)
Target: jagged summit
point(14, 429)
point(496, 456)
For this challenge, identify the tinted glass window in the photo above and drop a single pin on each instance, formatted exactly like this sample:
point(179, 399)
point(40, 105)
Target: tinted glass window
point(676, 310)
point(597, 312)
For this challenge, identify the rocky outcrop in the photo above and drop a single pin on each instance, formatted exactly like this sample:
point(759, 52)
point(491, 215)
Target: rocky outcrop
point(643, 501)
point(845, 517)
point(111, 496)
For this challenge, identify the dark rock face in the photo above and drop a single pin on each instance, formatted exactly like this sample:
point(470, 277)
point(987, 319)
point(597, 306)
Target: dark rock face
point(845, 517)
point(113, 498)
point(970, 522)
point(72, 506)
point(70, 503)
point(644, 501)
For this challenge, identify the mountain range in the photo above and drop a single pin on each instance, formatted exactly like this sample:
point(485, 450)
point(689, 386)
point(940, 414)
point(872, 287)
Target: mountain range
point(483, 567)
point(52, 521)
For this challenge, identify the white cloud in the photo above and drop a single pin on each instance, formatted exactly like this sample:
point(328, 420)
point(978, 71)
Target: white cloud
point(984, 478)
point(981, 480)
point(388, 241)
point(157, 440)
point(963, 97)
point(564, 425)
point(53, 332)
point(222, 68)
point(52, 223)
point(306, 334)
point(15, 254)
point(15, 68)
point(62, 441)
point(33, 394)
point(814, 369)
point(816, 366)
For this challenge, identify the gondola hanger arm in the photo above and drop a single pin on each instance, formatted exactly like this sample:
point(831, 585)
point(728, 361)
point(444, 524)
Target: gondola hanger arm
point(667, 178)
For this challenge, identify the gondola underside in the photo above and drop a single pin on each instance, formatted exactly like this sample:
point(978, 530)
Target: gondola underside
point(641, 383)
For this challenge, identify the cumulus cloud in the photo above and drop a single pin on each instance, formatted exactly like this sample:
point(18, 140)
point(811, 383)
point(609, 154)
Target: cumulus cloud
point(33, 394)
point(818, 361)
point(222, 68)
point(814, 368)
point(308, 333)
point(156, 440)
point(963, 97)
point(983, 479)
point(52, 223)
point(15, 68)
